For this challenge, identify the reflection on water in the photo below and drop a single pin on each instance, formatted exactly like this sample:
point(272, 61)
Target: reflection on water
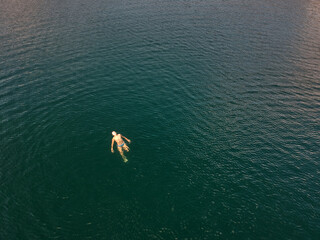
point(307, 45)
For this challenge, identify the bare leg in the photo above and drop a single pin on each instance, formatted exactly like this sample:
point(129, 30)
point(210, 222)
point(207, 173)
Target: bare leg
point(122, 155)
point(126, 147)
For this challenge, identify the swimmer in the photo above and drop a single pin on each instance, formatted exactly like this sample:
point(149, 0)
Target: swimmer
point(120, 143)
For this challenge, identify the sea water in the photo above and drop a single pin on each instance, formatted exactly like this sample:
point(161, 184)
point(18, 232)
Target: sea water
point(221, 100)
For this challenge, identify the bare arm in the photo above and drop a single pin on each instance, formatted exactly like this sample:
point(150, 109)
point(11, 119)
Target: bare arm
point(112, 145)
point(126, 138)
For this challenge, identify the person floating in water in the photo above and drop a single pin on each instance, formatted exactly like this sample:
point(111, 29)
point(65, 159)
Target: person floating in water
point(121, 144)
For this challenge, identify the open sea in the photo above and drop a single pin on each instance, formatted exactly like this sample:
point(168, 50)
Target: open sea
point(220, 98)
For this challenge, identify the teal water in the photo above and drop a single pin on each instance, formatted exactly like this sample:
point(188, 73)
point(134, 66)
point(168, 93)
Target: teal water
point(221, 100)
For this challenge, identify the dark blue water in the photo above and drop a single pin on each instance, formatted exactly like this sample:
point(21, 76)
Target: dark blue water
point(221, 100)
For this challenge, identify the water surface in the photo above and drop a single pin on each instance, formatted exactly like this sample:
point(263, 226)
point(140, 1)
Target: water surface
point(220, 99)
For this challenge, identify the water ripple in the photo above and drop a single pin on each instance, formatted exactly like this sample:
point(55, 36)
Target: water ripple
point(221, 100)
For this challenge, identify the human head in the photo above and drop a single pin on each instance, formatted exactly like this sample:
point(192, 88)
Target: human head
point(114, 133)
